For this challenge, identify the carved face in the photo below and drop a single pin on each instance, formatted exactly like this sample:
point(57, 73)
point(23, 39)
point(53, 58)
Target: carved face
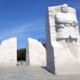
point(64, 8)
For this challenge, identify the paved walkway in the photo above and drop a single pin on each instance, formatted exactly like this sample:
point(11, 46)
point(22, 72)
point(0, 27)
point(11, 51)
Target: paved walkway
point(31, 73)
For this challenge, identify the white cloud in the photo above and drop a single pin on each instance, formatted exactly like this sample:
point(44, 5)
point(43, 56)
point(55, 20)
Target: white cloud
point(25, 29)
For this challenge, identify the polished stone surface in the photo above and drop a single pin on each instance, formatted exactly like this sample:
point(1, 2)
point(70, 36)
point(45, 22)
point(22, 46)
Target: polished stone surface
point(36, 53)
point(8, 52)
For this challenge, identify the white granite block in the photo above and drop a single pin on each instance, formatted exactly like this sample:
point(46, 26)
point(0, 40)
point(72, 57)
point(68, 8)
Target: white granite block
point(8, 52)
point(62, 40)
point(36, 53)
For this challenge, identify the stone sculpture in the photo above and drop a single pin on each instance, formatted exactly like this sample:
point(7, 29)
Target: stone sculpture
point(66, 23)
point(36, 53)
point(62, 40)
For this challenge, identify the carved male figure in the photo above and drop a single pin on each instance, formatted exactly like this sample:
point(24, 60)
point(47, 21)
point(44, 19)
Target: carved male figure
point(66, 28)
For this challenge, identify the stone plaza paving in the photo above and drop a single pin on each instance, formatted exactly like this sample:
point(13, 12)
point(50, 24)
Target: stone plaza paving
point(31, 73)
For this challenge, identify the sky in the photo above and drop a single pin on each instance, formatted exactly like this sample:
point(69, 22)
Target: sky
point(27, 18)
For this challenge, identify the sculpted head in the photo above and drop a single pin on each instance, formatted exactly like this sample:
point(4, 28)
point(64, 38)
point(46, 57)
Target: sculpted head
point(64, 8)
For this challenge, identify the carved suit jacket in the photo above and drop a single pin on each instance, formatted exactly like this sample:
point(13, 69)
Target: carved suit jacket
point(65, 27)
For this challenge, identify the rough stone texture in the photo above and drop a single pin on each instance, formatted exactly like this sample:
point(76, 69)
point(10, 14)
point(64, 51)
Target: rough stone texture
point(8, 52)
point(36, 53)
point(62, 57)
